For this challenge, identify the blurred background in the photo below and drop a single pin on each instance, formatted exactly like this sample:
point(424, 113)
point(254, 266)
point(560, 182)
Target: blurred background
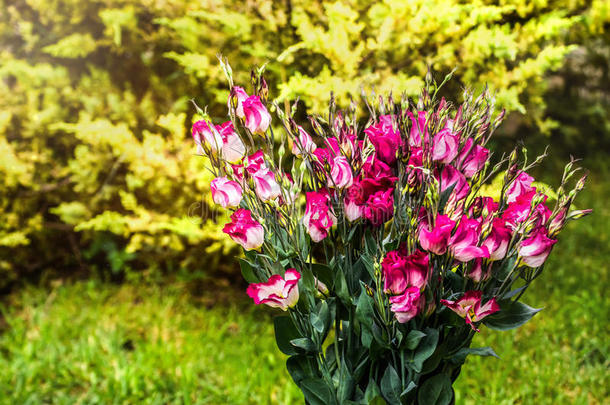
point(116, 282)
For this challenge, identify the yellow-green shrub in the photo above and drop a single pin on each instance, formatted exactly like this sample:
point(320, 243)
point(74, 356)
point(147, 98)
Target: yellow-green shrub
point(97, 167)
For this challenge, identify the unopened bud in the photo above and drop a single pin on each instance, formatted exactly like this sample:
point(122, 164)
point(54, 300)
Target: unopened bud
point(579, 213)
point(368, 290)
point(581, 183)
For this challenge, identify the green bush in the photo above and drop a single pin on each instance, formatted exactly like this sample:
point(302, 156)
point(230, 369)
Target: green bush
point(97, 169)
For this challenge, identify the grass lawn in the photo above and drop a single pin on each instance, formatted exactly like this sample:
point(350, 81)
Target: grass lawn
point(96, 343)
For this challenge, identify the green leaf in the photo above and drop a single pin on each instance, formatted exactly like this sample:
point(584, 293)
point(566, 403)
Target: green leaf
point(445, 197)
point(435, 391)
point(301, 367)
point(317, 392)
point(285, 332)
point(425, 349)
point(304, 343)
point(366, 317)
point(460, 356)
point(247, 271)
point(373, 393)
point(324, 273)
point(512, 314)
point(391, 386)
point(413, 339)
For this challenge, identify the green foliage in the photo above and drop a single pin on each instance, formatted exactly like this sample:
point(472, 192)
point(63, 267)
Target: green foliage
point(97, 164)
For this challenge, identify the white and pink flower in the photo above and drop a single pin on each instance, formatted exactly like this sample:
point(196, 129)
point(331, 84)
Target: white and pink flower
point(536, 248)
point(239, 95)
point(469, 307)
point(265, 185)
point(303, 143)
point(257, 118)
point(245, 230)
point(340, 173)
point(521, 185)
point(206, 135)
point(318, 218)
point(436, 238)
point(472, 158)
point(225, 192)
point(406, 305)
point(445, 146)
point(463, 245)
point(277, 291)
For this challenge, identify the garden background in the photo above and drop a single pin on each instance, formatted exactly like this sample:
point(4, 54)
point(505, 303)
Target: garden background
point(117, 284)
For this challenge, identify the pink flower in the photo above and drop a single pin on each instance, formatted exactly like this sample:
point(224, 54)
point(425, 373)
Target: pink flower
point(445, 146)
point(255, 162)
point(483, 207)
point(225, 192)
point(380, 207)
point(470, 308)
point(240, 96)
point(352, 210)
point(521, 185)
point(265, 185)
point(449, 177)
point(400, 272)
point(204, 135)
point(477, 273)
point(233, 148)
point(277, 292)
point(341, 173)
point(472, 158)
point(318, 218)
point(419, 129)
point(407, 305)
point(463, 243)
point(520, 210)
point(256, 115)
point(303, 143)
point(435, 239)
point(385, 139)
point(497, 241)
point(245, 230)
point(536, 248)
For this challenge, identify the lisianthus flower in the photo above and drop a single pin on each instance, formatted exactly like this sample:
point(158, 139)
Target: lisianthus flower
point(318, 218)
point(419, 129)
point(255, 162)
point(257, 118)
point(451, 177)
point(240, 95)
point(400, 271)
point(245, 230)
point(379, 207)
point(479, 272)
point(303, 143)
point(406, 305)
point(203, 134)
point(233, 149)
point(385, 139)
point(435, 239)
point(277, 292)
point(472, 158)
point(521, 185)
point(536, 248)
point(445, 146)
point(498, 239)
point(225, 192)
point(353, 211)
point(469, 307)
point(265, 185)
point(341, 173)
point(464, 242)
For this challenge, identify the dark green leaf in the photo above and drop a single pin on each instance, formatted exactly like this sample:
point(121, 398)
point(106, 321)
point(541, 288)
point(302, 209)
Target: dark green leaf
point(285, 331)
point(247, 271)
point(317, 392)
point(324, 273)
point(512, 314)
point(301, 367)
point(425, 349)
point(372, 392)
point(511, 294)
point(460, 356)
point(435, 391)
point(413, 339)
point(409, 388)
point(391, 386)
point(304, 343)
point(445, 197)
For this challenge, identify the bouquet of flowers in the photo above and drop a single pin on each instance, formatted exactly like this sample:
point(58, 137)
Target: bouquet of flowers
point(387, 241)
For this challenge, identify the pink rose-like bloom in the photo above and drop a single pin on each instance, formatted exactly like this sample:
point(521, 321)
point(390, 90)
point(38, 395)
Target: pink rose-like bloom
point(535, 249)
point(352, 210)
point(407, 305)
point(385, 139)
point(470, 308)
point(255, 162)
point(265, 185)
point(400, 272)
point(435, 239)
point(472, 159)
point(257, 118)
point(449, 177)
point(303, 143)
point(521, 185)
point(318, 218)
point(463, 243)
point(277, 292)
point(497, 241)
point(245, 230)
point(380, 207)
point(341, 173)
point(520, 210)
point(225, 192)
point(240, 96)
point(203, 134)
point(233, 148)
point(445, 146)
